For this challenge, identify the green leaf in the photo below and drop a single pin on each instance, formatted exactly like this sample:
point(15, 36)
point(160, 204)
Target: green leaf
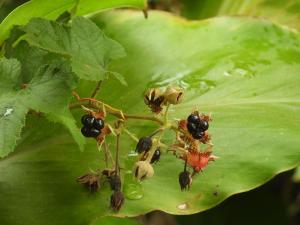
point(49, 91)
point(12, 119)
point(90, 54)
point(67, 119)
point(10, 71)
point(12, 111)
point(51, 9)
point(282, 11)
point(245, 71)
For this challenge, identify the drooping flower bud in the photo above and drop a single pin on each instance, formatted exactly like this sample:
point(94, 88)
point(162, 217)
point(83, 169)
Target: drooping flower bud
point(185, 180)
point(116, 200)
point(144, 145)
point(142, 170)
point(173, 95)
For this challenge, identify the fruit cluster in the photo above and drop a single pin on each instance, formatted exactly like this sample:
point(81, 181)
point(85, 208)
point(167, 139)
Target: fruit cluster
point(191, 135)
point(91, 126)
point(197, 126)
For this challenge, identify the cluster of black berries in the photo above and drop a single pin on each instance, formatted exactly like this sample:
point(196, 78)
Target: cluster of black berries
point(144, 145)
point(196, 126)
point(91, 126)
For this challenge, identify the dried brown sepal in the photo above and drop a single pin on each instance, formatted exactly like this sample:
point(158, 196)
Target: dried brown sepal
point(105, 131)
point(98, 115)
point(154, 99)
point(116, 200)
point(90, 180)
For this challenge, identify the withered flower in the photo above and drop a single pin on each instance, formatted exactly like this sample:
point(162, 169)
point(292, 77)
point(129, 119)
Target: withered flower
point(144, 145)
point(116, 200)
point(185, 180)
point(90, 180)
point(142, 170)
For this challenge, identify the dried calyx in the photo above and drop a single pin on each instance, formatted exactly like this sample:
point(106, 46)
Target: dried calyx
point(116, 200)
point(143, 170)
point(185, 180)
point(90, 180)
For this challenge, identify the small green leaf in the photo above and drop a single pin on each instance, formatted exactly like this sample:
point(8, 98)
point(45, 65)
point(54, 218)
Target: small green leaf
point(10, 70)
point(50, 89)
point(12, 119)
point(90, 54)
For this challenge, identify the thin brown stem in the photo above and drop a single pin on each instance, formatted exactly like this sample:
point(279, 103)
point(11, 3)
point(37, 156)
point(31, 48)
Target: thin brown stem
point(96, 90)
point(117, 167)
point(105, 154)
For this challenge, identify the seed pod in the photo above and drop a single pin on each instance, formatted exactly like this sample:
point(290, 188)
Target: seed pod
point(116, 200)
point(185, 180)
point(142, 170)
point(173, 95)
point(144, 145)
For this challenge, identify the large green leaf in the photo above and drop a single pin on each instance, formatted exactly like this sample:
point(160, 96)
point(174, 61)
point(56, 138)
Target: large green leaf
point(51, 9)
point(245, 71)
point(286, 12)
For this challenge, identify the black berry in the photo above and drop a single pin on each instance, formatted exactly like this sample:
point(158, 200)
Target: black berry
point(193, 119)
point(98, 124)
point(192, 128)
point(198, 135)
point(89, 132)
point(88, 121)
point(144, 144)
point(203, 125)
point(156, 156)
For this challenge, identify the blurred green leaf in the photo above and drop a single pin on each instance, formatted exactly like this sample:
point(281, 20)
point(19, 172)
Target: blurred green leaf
point(281, 11)
point(296, 176)
point(51, 9)
point(243, 70)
